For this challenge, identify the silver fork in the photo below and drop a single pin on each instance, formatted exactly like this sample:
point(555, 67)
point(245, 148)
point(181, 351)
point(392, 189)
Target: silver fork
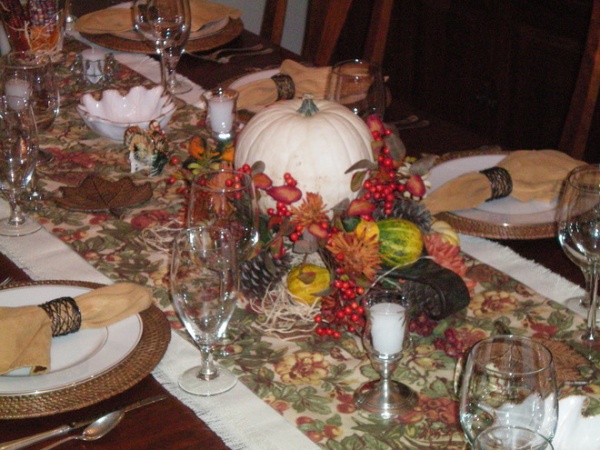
point(5, 281)
point(226, 59)
point(214, 56)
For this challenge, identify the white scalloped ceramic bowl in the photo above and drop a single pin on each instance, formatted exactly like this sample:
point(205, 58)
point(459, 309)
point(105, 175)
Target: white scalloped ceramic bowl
point(114, 113)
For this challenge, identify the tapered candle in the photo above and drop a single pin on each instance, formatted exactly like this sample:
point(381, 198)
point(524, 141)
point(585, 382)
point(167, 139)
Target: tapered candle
point(387, 327)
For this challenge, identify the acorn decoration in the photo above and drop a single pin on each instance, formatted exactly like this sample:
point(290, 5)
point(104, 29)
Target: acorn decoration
point(148, 149)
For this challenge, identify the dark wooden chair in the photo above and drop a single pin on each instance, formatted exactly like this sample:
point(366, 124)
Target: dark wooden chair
point(585, 96)
point(324, 24)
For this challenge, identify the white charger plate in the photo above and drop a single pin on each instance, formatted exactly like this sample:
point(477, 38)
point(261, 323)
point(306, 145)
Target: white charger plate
point(75, 358)
point(505, 218)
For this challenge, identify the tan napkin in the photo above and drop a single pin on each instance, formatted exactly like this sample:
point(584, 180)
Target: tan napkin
point(307, 80)
point(118, 20)
point(26, 332)
point(535, 174)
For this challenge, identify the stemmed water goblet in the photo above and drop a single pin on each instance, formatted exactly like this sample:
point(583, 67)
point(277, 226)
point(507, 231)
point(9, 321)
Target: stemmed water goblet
point(359, 85)
point(204, 286)
point(578, 221)
point(509, 384)
point(166, 25)
point(31, 75)
point(18, 153)
point(385, 336)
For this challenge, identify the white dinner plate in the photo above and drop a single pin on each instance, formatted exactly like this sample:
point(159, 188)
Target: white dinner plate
point(75, 358)
point(501, 218)
point(254, 76)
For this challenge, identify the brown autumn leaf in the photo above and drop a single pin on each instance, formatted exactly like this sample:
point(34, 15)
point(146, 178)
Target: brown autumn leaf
point(567, 361)
point(95, 193)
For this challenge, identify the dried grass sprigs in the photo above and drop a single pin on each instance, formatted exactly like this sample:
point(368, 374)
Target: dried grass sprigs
point(281, 316)
point(160, 238)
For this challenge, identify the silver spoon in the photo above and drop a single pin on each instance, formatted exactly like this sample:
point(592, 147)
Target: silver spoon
point(94, 430)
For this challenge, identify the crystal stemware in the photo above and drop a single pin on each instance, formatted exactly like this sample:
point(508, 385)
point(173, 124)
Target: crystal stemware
point(509, 381)
point(358, 85)
point(578, 220)
point(226, 198)
point(18, 153)
point(204, 285)
point(31, 75)
point(385, 337)
point(165, 24)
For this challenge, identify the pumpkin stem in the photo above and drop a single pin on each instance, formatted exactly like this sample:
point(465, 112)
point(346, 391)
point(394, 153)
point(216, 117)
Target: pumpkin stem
point(308, 107)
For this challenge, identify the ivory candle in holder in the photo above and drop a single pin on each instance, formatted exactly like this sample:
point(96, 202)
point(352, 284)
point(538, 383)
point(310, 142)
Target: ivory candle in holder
point(387, 327)
point(17, 89)
point(220, 111)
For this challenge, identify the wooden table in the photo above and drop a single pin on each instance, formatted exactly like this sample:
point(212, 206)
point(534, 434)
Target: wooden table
point(170, 424)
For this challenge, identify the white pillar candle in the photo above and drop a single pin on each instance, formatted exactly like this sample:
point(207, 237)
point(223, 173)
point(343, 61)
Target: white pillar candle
point(387, 327)
point(16, 89)
point(221, 114)
point(93, 64)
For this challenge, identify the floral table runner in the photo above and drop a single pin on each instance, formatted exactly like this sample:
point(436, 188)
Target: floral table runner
point(309, 380)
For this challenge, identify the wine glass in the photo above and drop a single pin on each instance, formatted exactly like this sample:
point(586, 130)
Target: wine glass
point(358, 85)
point(173, 53)
point(166, 24)
point(578, 221)
point(385, 337)
point(226, 198)
point(204, 286)
point(509, 381)
point(31, 75)
point(18, 153)
point(511, 438)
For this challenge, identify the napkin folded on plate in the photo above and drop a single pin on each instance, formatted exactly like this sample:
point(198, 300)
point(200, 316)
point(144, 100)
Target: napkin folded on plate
point(306, 80)
point(534, 174)
point(119, 20)
point(26, 331)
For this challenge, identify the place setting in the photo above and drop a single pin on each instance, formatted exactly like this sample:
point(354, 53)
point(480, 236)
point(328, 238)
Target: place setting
point(280, 241)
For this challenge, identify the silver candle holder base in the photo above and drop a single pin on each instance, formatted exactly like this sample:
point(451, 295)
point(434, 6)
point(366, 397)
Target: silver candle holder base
point(385, 398)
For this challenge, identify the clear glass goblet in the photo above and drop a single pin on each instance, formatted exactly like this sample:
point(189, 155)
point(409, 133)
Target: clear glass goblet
point(204, 287)
point(508, 381)
point(578, 220)
point(164, 24)
point(173, 53)
point(226, 198)
point(511, 438)
point(18, 153)
point(385, 337)
point(358, 85)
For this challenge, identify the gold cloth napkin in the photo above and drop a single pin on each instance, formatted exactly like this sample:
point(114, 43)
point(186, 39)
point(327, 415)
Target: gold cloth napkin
point(535, 175)
point(307, 80)
point(26, 332)
point(119, 20)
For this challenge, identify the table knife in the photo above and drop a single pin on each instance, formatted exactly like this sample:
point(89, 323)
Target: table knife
point(27, 441)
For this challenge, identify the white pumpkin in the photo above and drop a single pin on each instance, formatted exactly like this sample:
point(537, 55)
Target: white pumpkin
point(316, 141)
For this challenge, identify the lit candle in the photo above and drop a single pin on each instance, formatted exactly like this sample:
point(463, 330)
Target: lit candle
point(220, 104)
point(16, 90)
point(93, 63)
point(387, 327)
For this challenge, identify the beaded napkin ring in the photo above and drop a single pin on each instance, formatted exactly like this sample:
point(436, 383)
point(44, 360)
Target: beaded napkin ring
point(285, 86)
point(64, 314)
point(500, 182)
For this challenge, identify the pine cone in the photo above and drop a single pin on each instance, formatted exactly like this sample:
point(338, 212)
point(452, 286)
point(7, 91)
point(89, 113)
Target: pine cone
point(262, 272)
point(409, 210)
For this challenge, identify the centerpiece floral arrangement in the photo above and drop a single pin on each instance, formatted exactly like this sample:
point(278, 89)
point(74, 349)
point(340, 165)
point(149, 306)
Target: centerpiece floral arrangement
point(336, 219)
